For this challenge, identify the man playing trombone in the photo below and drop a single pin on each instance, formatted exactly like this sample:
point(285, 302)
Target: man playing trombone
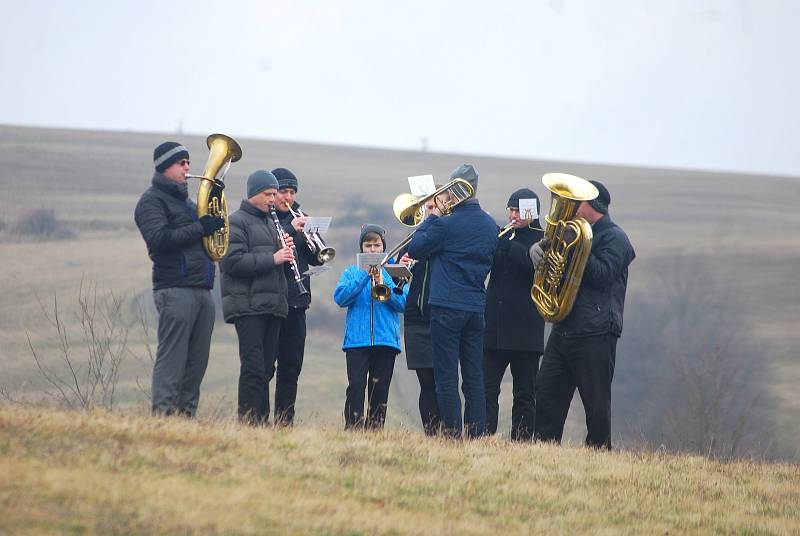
point(292, 338)
point(460, 248)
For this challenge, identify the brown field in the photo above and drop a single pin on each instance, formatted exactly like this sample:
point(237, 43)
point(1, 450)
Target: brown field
point(742, 226)
point(76, 473)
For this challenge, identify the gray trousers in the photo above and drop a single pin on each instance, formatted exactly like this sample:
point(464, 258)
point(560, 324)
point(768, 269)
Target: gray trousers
point(185, 323)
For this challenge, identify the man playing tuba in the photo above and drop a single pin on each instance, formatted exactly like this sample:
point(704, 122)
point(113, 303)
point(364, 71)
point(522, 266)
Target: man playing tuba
point(581, 349)
point(183, 275)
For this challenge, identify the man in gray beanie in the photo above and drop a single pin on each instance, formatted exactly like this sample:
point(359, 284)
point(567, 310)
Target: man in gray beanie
point(581, 350)
point(183, 275)
point(460, 248)
point(254, 292)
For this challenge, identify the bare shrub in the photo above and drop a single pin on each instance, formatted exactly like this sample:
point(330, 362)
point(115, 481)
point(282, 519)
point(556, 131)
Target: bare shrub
point(687, 379)
point(43, 223)
point(85, 380)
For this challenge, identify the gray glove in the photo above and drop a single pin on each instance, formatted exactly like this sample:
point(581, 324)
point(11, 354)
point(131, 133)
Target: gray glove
point(536, 252)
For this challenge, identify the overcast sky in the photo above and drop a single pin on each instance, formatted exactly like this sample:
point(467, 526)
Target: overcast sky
point(708, 84)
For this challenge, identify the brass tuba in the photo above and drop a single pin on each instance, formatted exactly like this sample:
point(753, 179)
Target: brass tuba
point(211, 198)
point(569, 241)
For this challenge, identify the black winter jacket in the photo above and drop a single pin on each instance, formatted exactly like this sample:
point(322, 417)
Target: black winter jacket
point(304, 258)
point(512, 321)
point(251, 283)
point(167, 219)
point(600, 301)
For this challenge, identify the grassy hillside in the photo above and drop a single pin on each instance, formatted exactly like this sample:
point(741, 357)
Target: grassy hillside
point(720, 242)
point(99, 473)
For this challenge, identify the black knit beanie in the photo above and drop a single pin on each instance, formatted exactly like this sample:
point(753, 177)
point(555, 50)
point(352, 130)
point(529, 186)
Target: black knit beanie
point(286, 178)
point(602, 201)
point(167, 154)
point(371, 228)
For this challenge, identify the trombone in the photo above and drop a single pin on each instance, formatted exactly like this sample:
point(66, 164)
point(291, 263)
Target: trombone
point(316, 244)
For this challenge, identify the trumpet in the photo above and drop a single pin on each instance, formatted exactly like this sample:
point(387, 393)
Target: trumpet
point(380, 291)
point(316, 244)
point(510, 227)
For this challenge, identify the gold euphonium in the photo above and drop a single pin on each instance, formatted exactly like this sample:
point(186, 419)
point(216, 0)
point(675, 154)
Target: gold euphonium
point(558, 276)
point(210, 197)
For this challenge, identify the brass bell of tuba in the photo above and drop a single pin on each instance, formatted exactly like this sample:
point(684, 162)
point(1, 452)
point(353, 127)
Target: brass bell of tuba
point(558, 276)
point(210, 197)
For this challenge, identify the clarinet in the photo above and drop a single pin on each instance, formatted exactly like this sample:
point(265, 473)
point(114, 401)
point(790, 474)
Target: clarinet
point(298, 279)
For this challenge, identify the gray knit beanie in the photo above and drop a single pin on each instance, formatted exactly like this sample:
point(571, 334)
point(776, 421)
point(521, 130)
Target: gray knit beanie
point(260, 180)
point(468, 173)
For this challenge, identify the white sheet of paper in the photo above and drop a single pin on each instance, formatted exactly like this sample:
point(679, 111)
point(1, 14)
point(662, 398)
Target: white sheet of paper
point(528, 209)
point(317, 224)
point(365, 260)
point(316, 270)
point(421, 185)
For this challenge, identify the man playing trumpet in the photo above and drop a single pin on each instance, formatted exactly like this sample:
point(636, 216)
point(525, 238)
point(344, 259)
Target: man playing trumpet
point(292, 338)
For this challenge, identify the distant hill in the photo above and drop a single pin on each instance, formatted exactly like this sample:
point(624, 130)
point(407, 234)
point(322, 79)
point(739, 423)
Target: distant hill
point(712, 298)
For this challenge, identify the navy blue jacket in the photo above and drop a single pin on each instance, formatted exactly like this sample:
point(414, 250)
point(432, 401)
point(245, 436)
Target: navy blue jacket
point(600, 301)
point(167, 219)
point(460, 248)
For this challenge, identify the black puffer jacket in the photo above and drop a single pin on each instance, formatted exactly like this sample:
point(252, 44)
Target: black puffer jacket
point(304, 259)
point(251, 282)
point(167, 219)
point(600, 301)
point(512, 321)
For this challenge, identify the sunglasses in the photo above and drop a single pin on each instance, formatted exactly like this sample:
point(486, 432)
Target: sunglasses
point(183, 162)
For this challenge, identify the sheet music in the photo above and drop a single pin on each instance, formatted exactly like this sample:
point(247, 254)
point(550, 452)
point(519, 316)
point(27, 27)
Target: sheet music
point(365, 260)
point(316, 270)
point(398, 271)
point(317, 224)
point(528, 209)
point(421, 185)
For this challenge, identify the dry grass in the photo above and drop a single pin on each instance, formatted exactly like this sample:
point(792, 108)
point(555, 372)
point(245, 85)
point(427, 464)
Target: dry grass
point(101, 474)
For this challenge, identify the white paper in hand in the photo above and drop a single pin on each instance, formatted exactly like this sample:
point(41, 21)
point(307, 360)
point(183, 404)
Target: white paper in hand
point(317, 224)
point(528, 209)
point(421, 185)
point(316, 270)
point(365, 260)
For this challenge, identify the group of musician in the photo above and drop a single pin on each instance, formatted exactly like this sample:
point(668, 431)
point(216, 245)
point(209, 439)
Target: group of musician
point(454, 325)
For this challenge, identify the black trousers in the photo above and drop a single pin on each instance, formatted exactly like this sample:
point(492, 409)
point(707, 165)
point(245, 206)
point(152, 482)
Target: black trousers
point(258, 346)
point(588, 364)
point(523, 372)
point(428, 406)
point(369, 369)
point(291, 348)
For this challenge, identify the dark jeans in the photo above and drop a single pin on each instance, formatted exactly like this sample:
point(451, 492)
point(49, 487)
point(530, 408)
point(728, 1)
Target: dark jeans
point(258, 346)
point(458, 339)
point(588, 364)
point(369, 369)
point(523, 371)
point(291, 347)
point(185, 323)
point(428, 406)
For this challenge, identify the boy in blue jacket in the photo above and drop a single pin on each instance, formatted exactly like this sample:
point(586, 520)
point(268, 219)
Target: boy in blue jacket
point(371, 336)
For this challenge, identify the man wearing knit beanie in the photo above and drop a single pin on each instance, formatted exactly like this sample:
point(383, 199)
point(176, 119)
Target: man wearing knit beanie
point(183, 275)
point(514, 336)
point(581, 349)
point(460, 248)
point(254, 292)
point(292, 338)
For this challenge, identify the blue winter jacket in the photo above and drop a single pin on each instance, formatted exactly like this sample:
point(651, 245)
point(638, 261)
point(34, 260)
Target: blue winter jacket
point(369, 322)
point(461, 250)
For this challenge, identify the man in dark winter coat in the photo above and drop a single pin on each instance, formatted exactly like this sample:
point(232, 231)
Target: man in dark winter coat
point(183, 274)
point(292, 339)
point(460, 248)
point(581, 349)
point(254, 292)
point(514, 329)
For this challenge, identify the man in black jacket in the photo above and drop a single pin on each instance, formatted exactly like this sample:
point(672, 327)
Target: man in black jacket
point(254, 292)
point(292, 339)
point(581, 349)
point(183, 274)
point(514, 329)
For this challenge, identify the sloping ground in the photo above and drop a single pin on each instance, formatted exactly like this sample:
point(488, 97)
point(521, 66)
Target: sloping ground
point(101, 474)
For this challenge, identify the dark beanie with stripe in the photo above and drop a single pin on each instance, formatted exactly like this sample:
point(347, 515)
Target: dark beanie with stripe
point(286, 178)
point(167, 154)
point(371, 228)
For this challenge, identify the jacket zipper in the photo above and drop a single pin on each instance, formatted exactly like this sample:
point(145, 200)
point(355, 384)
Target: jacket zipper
point(371, 319)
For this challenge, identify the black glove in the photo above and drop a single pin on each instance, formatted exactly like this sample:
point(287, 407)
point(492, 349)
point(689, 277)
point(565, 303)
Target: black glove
point(211, 223)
